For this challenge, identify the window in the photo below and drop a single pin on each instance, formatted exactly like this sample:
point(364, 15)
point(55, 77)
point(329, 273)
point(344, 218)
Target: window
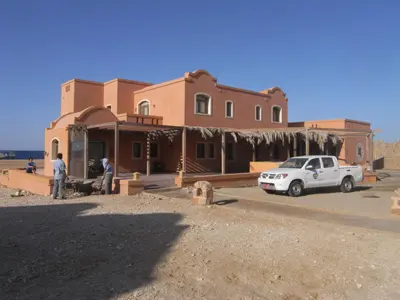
point(144, 107)
point(276, 114)
point(328, 162)
point(136, 150)
point(229, 152)
point(205, 151)
point(54, 148)
point(211, 151)
point(258, 113)
point(109, 107)
point(200, 150)
point(153, 150)
point(202, 104)
point(229, 109)
point(315, 163)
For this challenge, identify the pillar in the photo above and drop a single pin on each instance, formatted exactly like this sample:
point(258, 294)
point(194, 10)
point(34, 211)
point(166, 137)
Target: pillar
point(148, 165)
point(289, 144)
point(307, 143)
point(116, 148)
point(295, 145)
point(184, 133)
point(254, 153)
point(223, 154)
point(85, 154)
point(371, 150)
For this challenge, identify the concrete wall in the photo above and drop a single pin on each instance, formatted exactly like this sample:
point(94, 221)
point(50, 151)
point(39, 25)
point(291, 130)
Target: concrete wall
point(34, 183)
point(19, 163)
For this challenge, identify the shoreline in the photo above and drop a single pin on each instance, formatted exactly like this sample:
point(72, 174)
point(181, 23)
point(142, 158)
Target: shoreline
point(19, 163)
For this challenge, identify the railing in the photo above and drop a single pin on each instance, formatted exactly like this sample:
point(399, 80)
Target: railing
point(144, 119)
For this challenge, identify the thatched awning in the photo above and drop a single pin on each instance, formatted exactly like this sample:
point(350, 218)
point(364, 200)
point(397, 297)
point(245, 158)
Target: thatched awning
point(256, 136)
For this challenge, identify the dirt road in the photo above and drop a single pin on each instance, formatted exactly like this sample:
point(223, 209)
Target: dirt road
point(147, 248)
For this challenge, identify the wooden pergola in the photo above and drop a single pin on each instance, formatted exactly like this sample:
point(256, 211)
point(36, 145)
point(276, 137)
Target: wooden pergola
point(140, 127)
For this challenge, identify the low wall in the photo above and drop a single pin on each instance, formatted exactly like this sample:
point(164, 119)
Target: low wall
point(261, 166)
point(19, 163)
point(34, 183)
point(226, 180)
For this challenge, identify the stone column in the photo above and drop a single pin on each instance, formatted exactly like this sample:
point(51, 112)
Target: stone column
point(307, 143)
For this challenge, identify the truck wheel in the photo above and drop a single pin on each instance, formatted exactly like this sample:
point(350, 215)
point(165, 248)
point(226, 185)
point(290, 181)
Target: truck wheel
point(347, 185)
point(295, 189)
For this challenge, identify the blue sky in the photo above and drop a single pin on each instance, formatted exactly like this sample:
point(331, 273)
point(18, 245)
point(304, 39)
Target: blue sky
point(334, 59)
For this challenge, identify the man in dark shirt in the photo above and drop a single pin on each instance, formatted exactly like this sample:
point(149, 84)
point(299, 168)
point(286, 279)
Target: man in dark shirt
point(31, 166)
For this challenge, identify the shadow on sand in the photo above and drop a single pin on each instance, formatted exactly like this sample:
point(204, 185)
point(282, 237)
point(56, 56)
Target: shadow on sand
point(63, 252)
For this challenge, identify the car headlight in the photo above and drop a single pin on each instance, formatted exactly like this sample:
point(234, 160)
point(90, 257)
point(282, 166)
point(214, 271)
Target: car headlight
point(281, 176)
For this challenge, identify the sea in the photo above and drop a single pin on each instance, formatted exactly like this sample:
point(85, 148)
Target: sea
point(22, 154)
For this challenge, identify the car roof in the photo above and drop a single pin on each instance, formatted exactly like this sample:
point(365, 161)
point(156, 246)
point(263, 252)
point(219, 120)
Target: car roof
point(312, 156)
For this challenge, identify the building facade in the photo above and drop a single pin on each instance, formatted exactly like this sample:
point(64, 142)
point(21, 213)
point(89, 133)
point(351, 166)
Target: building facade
point(117, 116)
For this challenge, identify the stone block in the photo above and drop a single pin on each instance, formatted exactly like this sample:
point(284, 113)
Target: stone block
point(203, 193)
point(130, 187)
point(395, 209)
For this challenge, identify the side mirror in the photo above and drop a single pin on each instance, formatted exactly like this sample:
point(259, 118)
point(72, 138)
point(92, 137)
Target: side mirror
point(309, 167)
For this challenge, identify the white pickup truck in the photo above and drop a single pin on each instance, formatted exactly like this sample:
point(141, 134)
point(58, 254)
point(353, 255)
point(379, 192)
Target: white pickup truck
point(308, 172)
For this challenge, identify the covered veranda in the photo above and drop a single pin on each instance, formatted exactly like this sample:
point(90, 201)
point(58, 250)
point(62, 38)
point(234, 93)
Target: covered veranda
point(297, 141)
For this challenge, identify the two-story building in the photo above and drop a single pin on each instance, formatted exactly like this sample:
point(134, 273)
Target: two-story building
point(192, 123)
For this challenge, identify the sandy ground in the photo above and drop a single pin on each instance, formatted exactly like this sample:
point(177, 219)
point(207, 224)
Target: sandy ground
point(106, 247)
point(19, 163)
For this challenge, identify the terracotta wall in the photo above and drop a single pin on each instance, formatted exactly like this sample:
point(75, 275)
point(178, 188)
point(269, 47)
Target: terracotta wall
point(34, 183)
point(62, 135)
point(166, 100)
point(244, 103)
point(111, 95)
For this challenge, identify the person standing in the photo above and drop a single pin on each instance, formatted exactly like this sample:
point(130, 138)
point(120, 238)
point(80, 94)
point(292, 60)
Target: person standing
point(60, 175)
point(107, 176)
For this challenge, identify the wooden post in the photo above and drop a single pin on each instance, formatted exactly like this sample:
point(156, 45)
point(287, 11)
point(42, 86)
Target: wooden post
point(254, 153)
point(223, 154)
point(288, 148)
point(367, 150)
point(85, 154)
point(116, 148)
point(295, 145)
point(184, 133)
point(307, 143)
point(371, 147)
point(148, 155)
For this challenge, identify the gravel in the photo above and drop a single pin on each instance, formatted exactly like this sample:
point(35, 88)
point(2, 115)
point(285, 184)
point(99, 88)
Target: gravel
point(151, 247)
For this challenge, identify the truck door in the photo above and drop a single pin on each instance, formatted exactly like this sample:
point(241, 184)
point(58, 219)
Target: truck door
point(312, 170)
point(329, 174)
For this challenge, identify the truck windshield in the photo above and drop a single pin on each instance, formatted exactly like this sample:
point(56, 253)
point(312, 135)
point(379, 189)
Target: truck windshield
point(294, 163)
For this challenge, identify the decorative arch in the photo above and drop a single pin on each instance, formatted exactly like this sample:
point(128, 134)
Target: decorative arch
point(196, 74)
point(90, 115)
point(276, 114)
point(54, 148)
point(141, 107)
point(202, 104)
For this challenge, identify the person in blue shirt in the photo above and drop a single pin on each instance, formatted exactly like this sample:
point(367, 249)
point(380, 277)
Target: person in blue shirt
point(31, 166)
point(60, 175)
point(107, 176)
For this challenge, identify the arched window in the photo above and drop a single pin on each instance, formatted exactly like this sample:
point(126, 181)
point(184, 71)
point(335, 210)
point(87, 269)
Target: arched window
point(229, 109)
point(54, 148)
point(144, 107)
point(276, 114)
point(202, 104)
point(258, 113)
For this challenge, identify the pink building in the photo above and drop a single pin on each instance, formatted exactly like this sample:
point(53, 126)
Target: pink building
point(143, 127)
